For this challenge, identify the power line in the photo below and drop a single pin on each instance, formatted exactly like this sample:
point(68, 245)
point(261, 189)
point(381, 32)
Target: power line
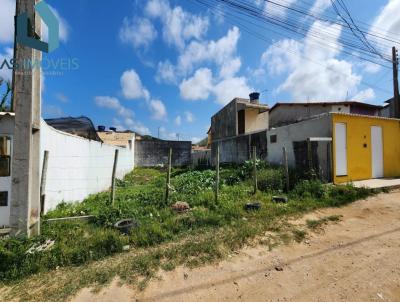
point(244, 9)
point(237, 21)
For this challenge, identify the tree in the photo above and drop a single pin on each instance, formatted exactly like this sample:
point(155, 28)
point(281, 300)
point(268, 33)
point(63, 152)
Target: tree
point(5, 99)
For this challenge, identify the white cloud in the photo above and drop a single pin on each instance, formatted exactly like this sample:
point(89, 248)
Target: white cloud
point(387, 23)
point(61, 97)
point(132, 87)
point(114, 104)
point(52, 111)
point(276, 8)
point(325, 77)
point(178, 120)
point(388, 18)
point(166, 73)
point(219, 51)
point(137, 32)
point(63, 30)
point(319, 6)
point(370, 67)
point(137, 126)
point(365, 95)
point(230, 68)
point(197, 87)
point(5, 58)
point(178, 25)
point(202, 84)
point(165, 134)
point(157, 107)
point(125, 120)
point(277, 59)
point(189, 117)
point(7, 13)
point(226, 90)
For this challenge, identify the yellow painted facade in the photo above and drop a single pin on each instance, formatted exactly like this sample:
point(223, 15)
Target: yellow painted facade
point(359, 154)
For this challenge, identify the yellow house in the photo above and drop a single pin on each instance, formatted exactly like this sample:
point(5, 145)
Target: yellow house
point(365, 147)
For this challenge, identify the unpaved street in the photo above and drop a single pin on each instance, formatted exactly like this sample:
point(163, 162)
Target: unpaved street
point(356, 259)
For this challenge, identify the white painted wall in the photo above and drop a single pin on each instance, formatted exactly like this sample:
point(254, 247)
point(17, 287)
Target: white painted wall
point(6, 129)
point(78, 167)
point(317, 127)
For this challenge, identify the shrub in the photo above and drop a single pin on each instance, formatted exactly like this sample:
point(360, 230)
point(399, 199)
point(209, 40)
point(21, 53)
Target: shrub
point(194, 181)
point(310, 189)
point(271, 180)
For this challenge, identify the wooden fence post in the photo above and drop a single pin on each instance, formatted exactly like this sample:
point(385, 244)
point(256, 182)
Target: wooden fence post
point(112, 195)
point(43, 182)
point(286, 167)
point(255, 169)
point(168, 184)
point(217, 175)
point(309, 156)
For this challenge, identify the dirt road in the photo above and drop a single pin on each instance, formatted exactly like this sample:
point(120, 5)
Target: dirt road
point(357, 259)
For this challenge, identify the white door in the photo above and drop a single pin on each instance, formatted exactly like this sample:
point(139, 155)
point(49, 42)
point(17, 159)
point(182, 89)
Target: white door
point(341, 149)
point(377, 151)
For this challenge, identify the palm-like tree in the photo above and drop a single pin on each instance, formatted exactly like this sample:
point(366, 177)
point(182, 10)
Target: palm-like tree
point(4, 103)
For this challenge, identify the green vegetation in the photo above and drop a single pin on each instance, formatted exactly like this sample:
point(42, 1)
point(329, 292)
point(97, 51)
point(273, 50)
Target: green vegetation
point(163, 238)
point(316, 224)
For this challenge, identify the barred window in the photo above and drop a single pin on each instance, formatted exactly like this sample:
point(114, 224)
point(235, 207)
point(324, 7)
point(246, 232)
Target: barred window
point(5, 156)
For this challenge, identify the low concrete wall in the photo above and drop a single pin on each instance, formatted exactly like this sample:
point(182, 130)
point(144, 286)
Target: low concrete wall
point(152, 153)
point(78, 167)
point(238, 149)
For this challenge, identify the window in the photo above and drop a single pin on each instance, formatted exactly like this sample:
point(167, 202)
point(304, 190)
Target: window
point(273, 139)
point(5, 156)
point(3, 199)
point(241, 122)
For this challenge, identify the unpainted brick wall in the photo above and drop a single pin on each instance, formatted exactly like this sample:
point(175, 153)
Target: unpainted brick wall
point(152, 153)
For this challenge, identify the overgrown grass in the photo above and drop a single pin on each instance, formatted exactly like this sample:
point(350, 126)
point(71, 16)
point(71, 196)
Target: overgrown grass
point(163, 238)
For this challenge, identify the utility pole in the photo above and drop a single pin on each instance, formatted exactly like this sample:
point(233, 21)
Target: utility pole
point(396, 98)
point(25, 195)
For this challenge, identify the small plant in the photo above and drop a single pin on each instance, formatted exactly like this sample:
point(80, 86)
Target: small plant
point(299, 235)
point(310, 189)
point(271, 180)
point(318, 223)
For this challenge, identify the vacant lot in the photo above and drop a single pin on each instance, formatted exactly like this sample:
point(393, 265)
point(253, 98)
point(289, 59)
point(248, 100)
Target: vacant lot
point(86, 254)
point(356, 259)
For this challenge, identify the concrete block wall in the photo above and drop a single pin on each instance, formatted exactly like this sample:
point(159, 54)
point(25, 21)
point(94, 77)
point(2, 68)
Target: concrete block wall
point(152, 153)
point(237, 149)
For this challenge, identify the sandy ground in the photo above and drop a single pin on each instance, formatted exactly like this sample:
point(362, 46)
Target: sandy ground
point(357, 259)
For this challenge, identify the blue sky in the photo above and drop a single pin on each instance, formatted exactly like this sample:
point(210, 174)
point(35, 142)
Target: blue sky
point(168, 66)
